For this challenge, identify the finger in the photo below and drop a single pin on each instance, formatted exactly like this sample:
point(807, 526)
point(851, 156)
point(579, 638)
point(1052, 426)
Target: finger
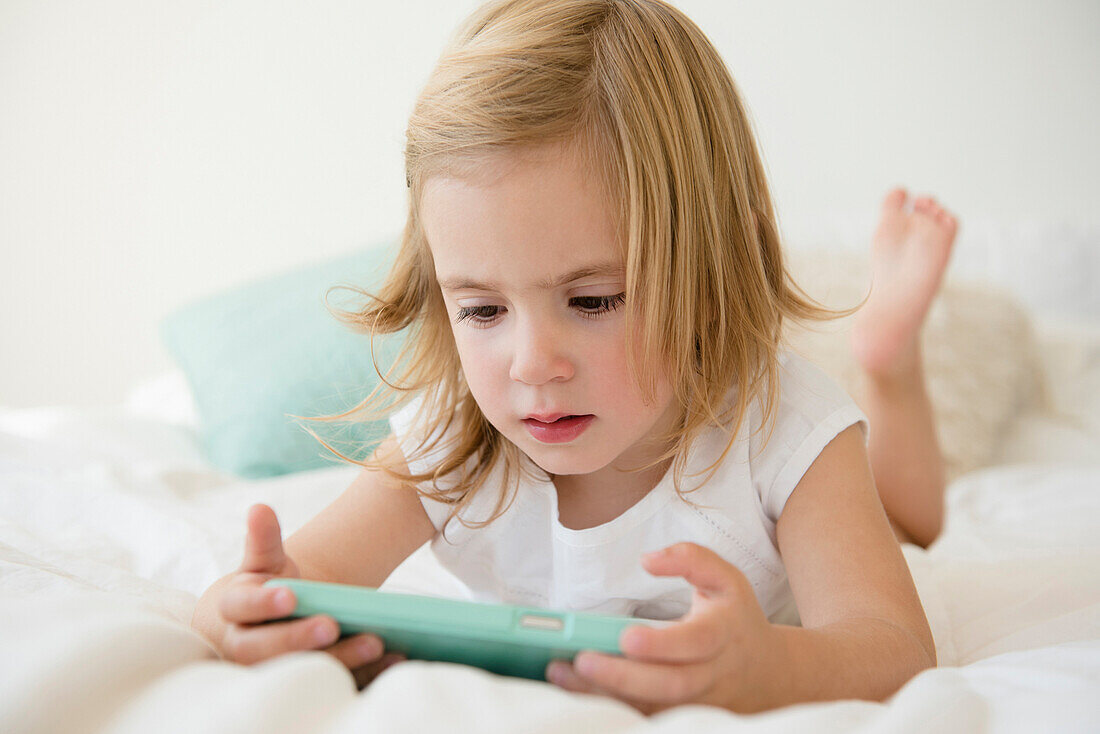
point(366, 674)
point(248, 604)
point(710, 574)
point(702, 636)
point(651, 683)
point(263, 546)
point(355, 652)
point(562, 674)
point(391, 659)
point(250, 644)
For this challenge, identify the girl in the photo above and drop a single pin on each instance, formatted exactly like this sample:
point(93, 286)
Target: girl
point(595, 412)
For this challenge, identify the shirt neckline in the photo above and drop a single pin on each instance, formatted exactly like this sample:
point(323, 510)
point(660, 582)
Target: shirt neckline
point(656, 499)
point(653, 501)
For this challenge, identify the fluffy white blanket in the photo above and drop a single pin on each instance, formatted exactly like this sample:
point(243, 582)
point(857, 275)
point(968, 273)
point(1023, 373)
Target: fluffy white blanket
point(111, 526)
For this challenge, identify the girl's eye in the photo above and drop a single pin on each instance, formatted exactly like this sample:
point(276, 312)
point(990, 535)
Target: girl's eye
point(595, 306)
point(590, 307)
point(475, 314)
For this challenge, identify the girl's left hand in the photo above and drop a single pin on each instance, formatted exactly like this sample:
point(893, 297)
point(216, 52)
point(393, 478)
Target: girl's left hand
point(724, 652)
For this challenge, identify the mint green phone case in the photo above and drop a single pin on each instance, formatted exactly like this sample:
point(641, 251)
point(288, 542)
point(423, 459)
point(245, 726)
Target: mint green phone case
point(504, 639)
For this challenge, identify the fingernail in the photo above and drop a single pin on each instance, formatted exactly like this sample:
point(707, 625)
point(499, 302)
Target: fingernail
point(322, 633)
point(556, 672)
point(283, 599)
point(585, 664)
point(369, 647)
point(631, 639)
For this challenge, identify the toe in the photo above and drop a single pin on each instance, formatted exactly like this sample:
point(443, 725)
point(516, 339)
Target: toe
point(949, 222)
point(894, 199)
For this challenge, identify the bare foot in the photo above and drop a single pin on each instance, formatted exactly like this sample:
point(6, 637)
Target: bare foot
point(909, 253)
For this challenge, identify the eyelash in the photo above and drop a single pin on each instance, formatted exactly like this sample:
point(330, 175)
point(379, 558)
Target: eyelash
point(600, 304)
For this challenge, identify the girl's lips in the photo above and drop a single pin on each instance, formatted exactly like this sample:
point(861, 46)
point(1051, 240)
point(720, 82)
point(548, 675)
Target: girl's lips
point(562, 430)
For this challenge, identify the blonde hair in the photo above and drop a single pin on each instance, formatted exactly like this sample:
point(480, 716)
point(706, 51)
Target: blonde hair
point(639, 91)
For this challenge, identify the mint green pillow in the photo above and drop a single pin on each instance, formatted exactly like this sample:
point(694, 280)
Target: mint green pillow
point(260, 353)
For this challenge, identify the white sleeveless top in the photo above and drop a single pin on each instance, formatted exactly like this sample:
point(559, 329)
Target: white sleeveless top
point(527, 557)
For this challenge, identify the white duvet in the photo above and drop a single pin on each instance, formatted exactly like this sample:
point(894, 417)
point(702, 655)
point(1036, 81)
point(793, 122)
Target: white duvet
point(111, 526)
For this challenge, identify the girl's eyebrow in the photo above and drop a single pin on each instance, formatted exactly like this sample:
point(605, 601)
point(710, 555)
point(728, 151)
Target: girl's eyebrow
point(603, 268)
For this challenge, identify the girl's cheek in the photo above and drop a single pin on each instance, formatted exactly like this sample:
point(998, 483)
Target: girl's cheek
point(483, 360)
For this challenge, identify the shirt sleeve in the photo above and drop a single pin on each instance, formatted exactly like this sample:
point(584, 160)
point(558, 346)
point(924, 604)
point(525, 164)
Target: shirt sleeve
point(407, 430)
point(811, 411)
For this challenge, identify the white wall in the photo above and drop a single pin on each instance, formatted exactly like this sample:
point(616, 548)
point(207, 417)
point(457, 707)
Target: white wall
point(152, 152)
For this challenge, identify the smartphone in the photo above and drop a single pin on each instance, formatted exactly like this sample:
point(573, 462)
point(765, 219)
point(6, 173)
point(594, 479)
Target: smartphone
point(500, 638)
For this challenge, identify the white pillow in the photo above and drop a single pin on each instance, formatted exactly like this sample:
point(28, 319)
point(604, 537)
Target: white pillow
point(166, 397)
point(1050, 266)
point(980, 356)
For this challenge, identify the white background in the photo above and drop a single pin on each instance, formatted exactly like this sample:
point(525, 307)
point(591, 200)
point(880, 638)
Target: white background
point(154, 152)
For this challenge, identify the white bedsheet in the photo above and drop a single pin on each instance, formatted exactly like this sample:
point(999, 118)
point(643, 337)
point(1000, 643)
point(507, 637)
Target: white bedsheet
point(111, 526)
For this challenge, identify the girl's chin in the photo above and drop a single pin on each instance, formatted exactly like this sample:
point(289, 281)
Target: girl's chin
point(579, 456)
point(554, 463)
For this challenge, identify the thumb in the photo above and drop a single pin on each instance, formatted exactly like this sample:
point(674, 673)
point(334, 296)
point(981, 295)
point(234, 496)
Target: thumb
point(263, 546)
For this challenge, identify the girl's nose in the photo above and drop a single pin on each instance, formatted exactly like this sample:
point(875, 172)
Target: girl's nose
point(538, 356)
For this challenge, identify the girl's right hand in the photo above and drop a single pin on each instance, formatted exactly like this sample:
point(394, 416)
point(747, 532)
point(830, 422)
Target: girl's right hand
point(248, 609)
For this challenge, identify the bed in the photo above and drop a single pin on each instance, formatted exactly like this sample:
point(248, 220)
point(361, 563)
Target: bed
point(113, 522)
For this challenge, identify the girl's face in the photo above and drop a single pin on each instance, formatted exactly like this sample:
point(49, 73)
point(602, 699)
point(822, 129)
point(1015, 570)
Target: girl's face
point(533, 281)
